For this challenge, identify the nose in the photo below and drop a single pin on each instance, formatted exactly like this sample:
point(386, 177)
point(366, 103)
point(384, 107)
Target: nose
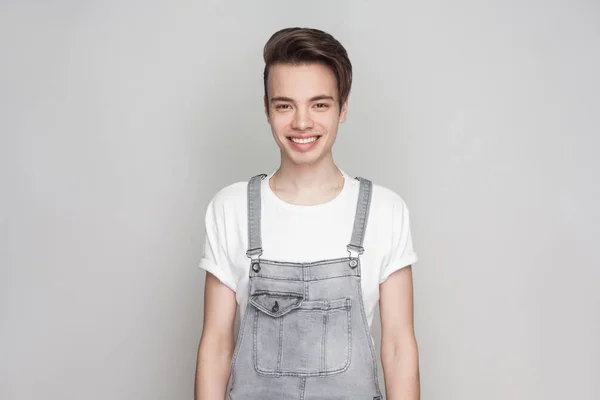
point(302, 120)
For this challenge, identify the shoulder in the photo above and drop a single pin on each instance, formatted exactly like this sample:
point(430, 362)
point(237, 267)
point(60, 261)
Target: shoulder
point(389, 212)
point(231, 192)
point(228, 199)
point(384, 197)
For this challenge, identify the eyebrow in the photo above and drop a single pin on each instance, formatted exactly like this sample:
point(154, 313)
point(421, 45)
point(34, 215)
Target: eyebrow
point(315, 98)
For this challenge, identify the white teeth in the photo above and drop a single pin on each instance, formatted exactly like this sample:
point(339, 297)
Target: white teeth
point(304, 141)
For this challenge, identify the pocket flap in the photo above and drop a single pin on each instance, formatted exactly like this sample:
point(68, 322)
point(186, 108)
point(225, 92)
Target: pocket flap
point(275, 297)
point(275, 305)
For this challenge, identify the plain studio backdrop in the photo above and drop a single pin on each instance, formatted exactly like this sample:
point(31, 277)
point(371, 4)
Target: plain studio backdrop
point(121, 119)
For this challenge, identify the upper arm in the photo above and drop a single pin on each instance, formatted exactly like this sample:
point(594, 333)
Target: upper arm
point(220, 282)
point(396, 307)
point(216, 257)
point(396, 283)
point(401, 252)
point(219, 310)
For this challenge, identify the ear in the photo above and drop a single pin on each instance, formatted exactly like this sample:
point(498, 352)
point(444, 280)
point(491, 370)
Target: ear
point(343, 112)
point(266, 105)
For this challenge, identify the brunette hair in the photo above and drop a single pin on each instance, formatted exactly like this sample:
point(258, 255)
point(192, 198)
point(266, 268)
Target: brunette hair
point(307, 46)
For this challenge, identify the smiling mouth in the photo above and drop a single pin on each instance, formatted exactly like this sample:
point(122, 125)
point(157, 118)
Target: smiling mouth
point(304, 140)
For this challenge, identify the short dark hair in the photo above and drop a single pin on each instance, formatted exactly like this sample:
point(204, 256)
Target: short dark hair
point(306, 46)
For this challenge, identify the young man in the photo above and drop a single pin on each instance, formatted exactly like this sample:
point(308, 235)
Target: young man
point(307, 252)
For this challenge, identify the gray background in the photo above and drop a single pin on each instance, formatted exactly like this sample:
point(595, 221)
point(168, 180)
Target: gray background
point(121, 119)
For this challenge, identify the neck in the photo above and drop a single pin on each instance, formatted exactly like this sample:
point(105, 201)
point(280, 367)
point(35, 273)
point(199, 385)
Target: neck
point(307, 184)
point(308, 177)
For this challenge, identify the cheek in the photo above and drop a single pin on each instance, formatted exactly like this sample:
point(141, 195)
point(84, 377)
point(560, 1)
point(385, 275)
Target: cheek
point(327, 120)
point(279, 121)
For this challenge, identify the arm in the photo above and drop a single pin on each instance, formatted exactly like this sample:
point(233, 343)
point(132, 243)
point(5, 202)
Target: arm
point(216, 344)
point(399, 352)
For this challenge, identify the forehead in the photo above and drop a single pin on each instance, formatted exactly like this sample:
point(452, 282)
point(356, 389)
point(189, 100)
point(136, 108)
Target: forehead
point(301, 81)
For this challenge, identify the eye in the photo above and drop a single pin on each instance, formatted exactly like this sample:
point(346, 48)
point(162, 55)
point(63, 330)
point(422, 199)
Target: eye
point(321, 105)
point(282, 107)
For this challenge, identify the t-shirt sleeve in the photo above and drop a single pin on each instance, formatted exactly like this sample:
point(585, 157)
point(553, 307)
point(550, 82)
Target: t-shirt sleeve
point(215, 258)
point(401, 253)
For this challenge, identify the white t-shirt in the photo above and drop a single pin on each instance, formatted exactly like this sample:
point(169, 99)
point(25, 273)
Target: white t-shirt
point(296, 233)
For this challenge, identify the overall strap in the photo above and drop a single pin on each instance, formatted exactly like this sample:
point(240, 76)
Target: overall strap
point(254, 235)
point(362, 216)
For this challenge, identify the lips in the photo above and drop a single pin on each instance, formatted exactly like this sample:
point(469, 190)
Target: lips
point(304, 139)
point(304, 143)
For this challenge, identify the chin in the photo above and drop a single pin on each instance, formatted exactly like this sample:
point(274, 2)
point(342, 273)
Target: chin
point(305, 161)
point(304, 158)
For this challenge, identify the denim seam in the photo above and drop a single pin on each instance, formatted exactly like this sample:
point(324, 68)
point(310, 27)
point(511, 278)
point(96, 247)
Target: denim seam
point(277, 292)
point(276, 278)
point(368, 338)
point(302, 387)
point(305, 283)
point(324, 342)
point(362, 213)
point(301, 374)
point(254, 205)
point(255, 337)
point(349, 317)
point(238, 345)
point(305, 264)
point(280, 350)
point(259, 275)
point(333, 277)
point(251, 217)
point(320, 309)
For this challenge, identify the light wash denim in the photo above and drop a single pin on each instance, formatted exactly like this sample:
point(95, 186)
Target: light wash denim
point(304, 335)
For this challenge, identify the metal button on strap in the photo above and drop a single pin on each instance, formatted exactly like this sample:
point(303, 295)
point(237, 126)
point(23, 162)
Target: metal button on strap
point(255, 267)
point(353, 263)
point(275, 307)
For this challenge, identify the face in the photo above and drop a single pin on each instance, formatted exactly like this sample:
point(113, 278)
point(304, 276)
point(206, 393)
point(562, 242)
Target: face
point(303, 111)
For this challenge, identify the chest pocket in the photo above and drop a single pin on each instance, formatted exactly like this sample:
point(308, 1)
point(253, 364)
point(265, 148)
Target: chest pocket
point(296, 337)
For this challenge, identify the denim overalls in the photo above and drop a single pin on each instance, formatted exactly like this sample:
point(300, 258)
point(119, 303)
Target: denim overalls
point(304, 335)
